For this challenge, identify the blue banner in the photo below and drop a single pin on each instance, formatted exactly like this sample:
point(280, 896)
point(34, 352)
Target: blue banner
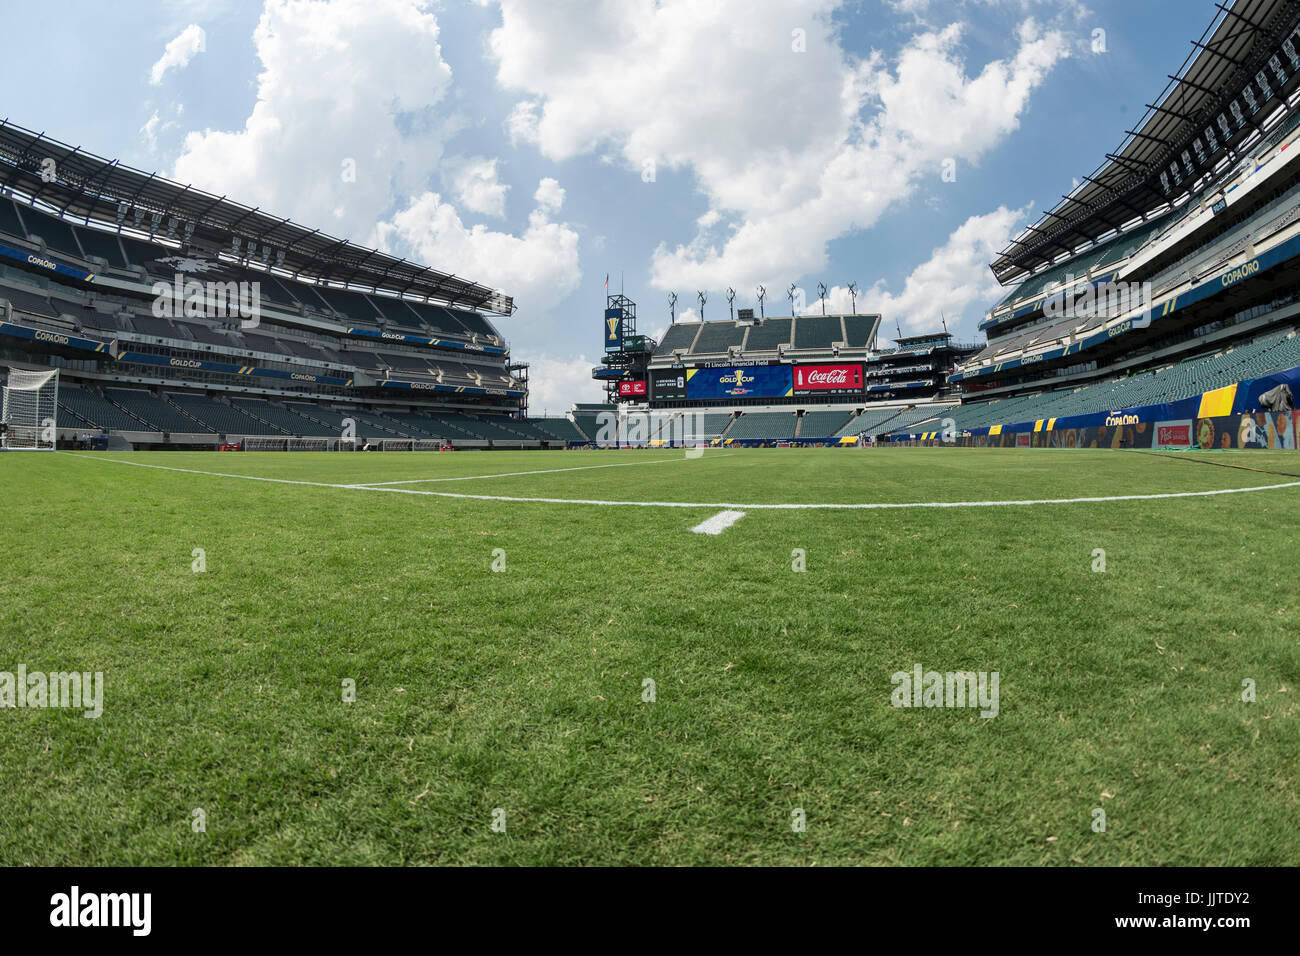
point(425, 340)
point(171, 361)
point(44, 262)
point(52, 338)
point(613, 330)
point(439, 387)
point(754, 381)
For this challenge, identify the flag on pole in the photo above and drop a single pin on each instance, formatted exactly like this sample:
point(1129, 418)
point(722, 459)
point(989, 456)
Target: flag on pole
point(606, 281)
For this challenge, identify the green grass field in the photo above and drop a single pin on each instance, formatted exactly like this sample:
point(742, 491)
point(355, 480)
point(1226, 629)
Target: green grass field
point(522, 689)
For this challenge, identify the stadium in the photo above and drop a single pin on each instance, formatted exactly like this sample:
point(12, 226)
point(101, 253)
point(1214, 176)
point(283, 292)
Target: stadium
point(797, 592)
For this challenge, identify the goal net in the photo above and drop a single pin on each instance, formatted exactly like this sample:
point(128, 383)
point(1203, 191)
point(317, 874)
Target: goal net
point(411, 444)
point(263, 443)
point(29, 419)
point(313, 444)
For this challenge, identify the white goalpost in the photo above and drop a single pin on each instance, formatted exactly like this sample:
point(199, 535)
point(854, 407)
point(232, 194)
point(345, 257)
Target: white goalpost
point(30, 414)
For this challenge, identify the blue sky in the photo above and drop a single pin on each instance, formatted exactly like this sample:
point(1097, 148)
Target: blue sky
point(679, 144)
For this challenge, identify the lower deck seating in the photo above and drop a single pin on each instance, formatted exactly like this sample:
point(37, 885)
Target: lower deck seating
point(280, 417)
point(769, 425)
point(92, 408)
point(163, 415)
point(560, 428)
point(874, 421)
point(1267, 354)
point(822, 424)
point(218, 416)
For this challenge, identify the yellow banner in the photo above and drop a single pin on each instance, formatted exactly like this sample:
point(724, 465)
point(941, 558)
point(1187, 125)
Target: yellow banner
point(1217, 402)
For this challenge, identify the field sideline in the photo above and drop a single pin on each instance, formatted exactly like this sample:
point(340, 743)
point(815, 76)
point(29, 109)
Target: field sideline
point(522, 689)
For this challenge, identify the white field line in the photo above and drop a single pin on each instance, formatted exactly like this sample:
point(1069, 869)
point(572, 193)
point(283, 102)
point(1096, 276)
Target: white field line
point(715, 505)
point(516, 474)
point(719, 523)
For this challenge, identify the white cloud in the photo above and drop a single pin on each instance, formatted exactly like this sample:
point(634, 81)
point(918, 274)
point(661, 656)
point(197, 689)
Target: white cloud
point(917, 7)
point(474, 181)
point(549, 195)
point(348, 133)
point(539, 267)
point(956, 278)
point(150, 131)
point(555, 384)
point(521, 124)
point(182, 48)
point(155, 126)
point(808, 148)
point(346, 119)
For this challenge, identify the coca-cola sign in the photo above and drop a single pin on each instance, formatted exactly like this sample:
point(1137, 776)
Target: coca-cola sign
point(842, 379)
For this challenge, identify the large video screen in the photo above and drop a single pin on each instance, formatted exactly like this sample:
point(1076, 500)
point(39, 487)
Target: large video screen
point(668, 385)
point(753, 381)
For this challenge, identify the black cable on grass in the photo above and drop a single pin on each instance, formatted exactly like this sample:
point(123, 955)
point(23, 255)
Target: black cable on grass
point(1179, 456)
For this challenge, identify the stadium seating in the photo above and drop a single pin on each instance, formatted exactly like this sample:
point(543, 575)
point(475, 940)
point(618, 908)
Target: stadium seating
point(587, 417)
point(875, 421)
point(817, 331)
point(718, 337)
point(774, 425)
point(56, 233)
point(147, 407)
point(9, 221)
point(217, 416)
point(858, 329)
point(276, 415)
point(769, 334)
point(714, 424)
point(153, 325)
point(29, 302)
point(680, 335)
point(1275, 352)
point(560, 428)
point(94, 409)
point(821, 424)
point(104, 245)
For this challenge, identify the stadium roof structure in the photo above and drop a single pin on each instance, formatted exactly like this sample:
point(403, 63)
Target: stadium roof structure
point(82, 186)
point(1144, 175)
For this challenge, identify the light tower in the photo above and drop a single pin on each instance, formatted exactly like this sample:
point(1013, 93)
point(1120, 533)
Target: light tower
point(762, 294)
point(789, 294)
point(731, 302)
point(853, 296)
point(821, 294)
point(672, 308)
point(703, 297)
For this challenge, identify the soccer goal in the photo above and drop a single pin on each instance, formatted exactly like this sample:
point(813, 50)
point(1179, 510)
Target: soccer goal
point(313, 444)
point(410, 444)
point(261, 443)
point(29, 419)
